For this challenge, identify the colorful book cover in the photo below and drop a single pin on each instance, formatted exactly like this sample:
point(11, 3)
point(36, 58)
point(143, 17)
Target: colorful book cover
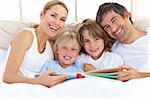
point(106, 73)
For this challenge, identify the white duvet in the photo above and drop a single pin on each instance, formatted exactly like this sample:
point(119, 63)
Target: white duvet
point(85, 88)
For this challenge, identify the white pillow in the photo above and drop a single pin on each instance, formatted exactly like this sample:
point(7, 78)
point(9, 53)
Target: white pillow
point(7, 31)
point(142, 24)
point(3, 54)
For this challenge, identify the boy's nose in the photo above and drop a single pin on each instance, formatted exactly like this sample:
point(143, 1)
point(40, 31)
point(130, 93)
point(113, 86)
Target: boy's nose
point(68, 51)
point(92, 44)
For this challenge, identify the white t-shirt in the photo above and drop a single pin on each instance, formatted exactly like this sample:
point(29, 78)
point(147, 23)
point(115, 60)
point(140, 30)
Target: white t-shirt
point(107, 60)
point(137, 54)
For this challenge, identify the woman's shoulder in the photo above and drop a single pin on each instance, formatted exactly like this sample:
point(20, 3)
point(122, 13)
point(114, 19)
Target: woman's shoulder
point(23, 37)
point(25, 32)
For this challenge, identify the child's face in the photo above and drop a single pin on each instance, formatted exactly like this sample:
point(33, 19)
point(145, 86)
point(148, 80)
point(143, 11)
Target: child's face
point(67, 52)
point(93, 46)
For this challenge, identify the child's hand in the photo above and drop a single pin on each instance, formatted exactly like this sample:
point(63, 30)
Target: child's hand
point(88, 67)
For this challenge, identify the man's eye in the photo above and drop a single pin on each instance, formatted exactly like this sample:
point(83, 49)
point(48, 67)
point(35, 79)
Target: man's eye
point(114, 20)
point(105, 28)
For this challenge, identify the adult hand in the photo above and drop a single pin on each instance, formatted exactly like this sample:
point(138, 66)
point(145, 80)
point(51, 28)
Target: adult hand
point(127, 73)
point(47, 80)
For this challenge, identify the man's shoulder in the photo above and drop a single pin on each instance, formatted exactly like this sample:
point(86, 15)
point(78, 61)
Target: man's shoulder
point(115, 45)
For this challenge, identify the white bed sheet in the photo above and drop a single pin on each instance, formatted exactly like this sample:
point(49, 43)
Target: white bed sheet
point(103, 88)
point(3, 53)
point(86, 88)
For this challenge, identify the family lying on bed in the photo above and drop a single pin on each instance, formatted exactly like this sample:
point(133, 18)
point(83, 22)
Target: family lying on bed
point(30, 53)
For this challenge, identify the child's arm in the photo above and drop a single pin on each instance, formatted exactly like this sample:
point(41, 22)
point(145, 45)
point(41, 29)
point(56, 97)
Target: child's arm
point(88, 67)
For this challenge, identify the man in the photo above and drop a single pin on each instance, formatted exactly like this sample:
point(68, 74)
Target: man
point(131, 43)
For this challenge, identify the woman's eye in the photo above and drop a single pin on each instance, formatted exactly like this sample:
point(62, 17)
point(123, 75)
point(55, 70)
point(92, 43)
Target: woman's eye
point(53, 15)
point(63, 20)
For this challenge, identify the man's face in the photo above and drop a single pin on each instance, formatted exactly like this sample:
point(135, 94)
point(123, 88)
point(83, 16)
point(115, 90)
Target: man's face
point(116, 26)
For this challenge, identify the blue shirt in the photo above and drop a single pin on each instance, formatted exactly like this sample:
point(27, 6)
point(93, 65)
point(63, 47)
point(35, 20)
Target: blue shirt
point(54, 65)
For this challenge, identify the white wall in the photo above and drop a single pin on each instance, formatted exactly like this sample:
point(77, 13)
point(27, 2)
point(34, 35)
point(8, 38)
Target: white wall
point(9, 10)
point(30, 9)
point(140, 9)
point(88, 8)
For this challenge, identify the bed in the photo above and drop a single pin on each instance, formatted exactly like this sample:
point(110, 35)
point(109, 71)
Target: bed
point(85, 88)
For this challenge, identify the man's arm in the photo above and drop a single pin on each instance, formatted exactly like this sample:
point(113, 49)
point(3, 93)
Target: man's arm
point(128, 73)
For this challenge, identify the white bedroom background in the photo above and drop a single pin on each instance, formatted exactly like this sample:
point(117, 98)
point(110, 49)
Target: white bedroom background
point(9, 10)
point(88, 8)
point(29, 10)
point(140, 9)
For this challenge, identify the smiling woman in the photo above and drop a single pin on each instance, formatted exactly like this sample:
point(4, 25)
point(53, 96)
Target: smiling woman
point(30, 48)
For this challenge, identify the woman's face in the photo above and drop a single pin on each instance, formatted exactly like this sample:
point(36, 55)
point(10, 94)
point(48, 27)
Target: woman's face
point(67, 52)
point(93, 46)
point(53, 20)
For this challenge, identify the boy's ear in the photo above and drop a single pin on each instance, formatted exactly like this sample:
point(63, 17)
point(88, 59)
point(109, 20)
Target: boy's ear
point(127, 15)
point(56, 53)
point(56, 50)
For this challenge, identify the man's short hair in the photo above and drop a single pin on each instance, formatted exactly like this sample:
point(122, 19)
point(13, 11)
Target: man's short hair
point(108, 7)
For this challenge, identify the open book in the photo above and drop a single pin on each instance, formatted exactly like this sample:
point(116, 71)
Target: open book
point(107, 73)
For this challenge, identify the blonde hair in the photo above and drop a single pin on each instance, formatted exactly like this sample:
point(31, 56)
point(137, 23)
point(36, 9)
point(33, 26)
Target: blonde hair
point(52, 3)
point(66, 36)
point(48, 6)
